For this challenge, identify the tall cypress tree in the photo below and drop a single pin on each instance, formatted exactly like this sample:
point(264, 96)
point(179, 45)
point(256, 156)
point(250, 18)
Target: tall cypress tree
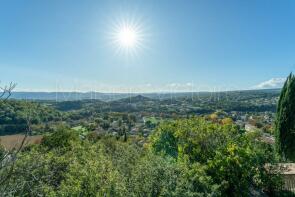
point(285, 121)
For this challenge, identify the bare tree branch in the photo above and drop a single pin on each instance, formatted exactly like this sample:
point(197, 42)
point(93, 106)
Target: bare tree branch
point(7, 162)
point(13, 155)
point(4, 95)
point(6, 91)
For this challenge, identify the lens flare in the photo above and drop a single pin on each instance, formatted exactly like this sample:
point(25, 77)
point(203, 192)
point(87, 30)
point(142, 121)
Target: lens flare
point(128, 37)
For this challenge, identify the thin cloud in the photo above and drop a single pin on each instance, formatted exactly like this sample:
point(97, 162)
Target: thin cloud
point(272, 83)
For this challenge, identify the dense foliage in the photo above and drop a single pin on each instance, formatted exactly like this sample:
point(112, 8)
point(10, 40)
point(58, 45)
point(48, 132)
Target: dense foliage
point(285, 121)
point(189, 157)
point(15, 115)
point(235, 160)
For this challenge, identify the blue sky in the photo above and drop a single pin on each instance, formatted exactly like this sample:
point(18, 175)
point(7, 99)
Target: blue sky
point(187, 45)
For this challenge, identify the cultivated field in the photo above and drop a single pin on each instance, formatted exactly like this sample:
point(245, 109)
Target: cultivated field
point(14, 141)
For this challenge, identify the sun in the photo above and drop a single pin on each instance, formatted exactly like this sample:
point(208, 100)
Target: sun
point(127, 37)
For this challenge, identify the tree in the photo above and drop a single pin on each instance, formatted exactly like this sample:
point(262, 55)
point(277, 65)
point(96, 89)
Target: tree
point(6, 91)
point(194, 138)
point(285, 120)
point(233, 159)
point(227, 121)
point(125, 134)
point(62, 137)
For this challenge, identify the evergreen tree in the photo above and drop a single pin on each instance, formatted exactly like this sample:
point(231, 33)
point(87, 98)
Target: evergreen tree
point(285, 120)
point(125, 134)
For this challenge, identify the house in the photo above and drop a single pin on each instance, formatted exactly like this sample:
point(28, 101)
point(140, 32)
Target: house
point(240, 123)
point(287, 170)
point(249, 127)
point(267, 138)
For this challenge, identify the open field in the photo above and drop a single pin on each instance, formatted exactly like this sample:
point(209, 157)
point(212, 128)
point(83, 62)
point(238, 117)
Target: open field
point(14, 141)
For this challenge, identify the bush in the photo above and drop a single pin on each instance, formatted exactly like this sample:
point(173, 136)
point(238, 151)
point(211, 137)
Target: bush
point(235, 160)
point(63, 137)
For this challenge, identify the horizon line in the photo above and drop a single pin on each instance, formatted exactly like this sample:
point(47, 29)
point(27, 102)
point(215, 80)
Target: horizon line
point(148, 92)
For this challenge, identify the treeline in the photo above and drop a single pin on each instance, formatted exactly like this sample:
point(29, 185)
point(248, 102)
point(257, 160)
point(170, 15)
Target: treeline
point(15, 115)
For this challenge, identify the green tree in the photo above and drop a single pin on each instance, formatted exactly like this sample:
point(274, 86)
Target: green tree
point(233, 159)
point(62, 138)
point(285, 120)
point(194, 138)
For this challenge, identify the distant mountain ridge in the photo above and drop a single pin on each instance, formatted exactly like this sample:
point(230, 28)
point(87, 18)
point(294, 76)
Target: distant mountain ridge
point(135, 99)
point(67, 96)
point(74, 96)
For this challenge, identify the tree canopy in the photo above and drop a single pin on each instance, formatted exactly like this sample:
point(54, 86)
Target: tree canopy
point(285, 120)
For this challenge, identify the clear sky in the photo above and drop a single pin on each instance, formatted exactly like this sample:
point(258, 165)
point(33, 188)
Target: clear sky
point(199, 44)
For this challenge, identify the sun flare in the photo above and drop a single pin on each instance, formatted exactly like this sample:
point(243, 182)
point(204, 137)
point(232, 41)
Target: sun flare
point(128, 37)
